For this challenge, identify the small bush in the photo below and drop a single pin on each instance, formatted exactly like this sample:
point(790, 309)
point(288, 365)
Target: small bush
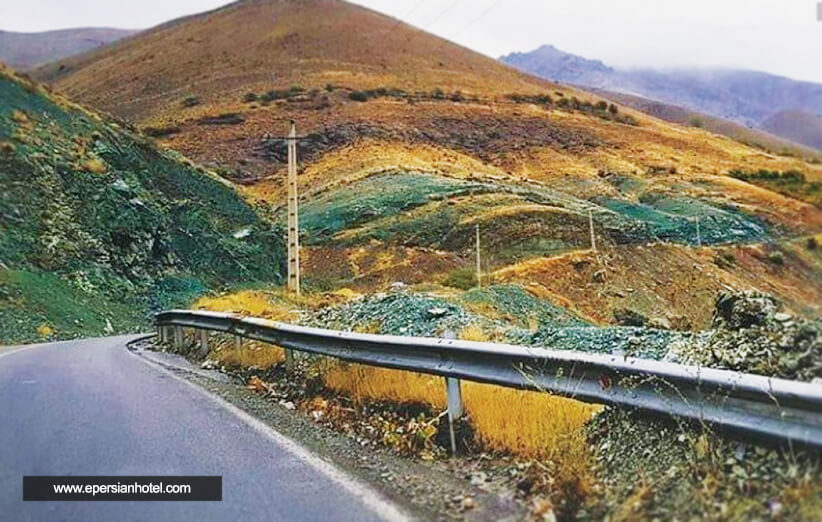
point(697, 122)
point(360, 96)
point(812, 243)
point(19, 116)
point(7, 147)
point(602, 105)
point(613, 109)
point(160, 132)
point(726, 259)
point(250, 97)
point(776, 257)
point(329, 87)
point(190, 101)
point(462, 278)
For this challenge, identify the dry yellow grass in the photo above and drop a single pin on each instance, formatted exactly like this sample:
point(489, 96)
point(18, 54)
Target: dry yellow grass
point(246, 302)
point(247, 354)
point(526, 423)
point(370, 383)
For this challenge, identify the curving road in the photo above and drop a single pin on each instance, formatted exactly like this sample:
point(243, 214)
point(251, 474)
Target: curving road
point(93, 408)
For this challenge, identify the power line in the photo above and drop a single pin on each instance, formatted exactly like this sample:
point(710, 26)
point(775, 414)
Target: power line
point(413, 9)
point(400, 20)
point(475, 20)
point(437, 18)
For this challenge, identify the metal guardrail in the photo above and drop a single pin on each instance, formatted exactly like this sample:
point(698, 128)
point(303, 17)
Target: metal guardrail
point(776, 409)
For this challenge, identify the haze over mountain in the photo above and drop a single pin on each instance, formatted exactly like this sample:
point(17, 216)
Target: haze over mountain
point(746, 97)
point(26, 50)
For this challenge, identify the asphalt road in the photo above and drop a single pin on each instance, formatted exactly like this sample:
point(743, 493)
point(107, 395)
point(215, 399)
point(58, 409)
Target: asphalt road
point(93, 408)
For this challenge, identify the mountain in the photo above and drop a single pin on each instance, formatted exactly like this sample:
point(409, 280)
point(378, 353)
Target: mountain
point(745, 97)
point(27, 50)
point(409, 142)
point(799, 126)
point(98, 227)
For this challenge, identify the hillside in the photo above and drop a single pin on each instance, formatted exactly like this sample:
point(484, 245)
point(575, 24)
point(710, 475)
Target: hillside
point(779, 142)
point(745, 97)
point(27, 50)
point(799, 126)
point(98, 227)
point(410, 142)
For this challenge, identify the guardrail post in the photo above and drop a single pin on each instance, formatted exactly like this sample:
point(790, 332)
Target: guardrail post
point(203, 343)
point(289, 360)
point(454, 390)
point(178, 337)
point(166, 330)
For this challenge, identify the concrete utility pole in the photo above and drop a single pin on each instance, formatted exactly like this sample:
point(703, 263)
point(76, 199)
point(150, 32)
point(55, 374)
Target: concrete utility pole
point(293, 214)
point(591, 226)
point(479, 262)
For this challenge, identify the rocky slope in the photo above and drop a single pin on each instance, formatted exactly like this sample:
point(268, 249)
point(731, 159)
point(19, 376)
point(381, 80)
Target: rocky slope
point(98, 226)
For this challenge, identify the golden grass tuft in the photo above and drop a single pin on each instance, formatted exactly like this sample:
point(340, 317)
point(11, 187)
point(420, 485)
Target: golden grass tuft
point(19, 116)
point(381, 384)
point(45, 330)
point(246, 302)
point(248, 354)
point(95, 166)
point(527, 423)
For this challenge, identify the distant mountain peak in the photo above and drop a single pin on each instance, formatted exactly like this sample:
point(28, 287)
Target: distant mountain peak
point(550, 62)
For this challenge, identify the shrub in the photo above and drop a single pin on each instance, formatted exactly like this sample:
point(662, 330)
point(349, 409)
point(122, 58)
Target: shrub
point(250, 97)
point(190, 101)
point(602, 105)
point(160, 132)
point(725, 260)
point(6, 147)
point(329, 87)
point(812, 243)
point(776, 257)
point(462, 278)
point(697, 122)
point(438, 93)
point(613, 109)
point(360, 96)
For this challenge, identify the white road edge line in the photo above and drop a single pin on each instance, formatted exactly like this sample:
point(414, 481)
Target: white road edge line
point(368, 496)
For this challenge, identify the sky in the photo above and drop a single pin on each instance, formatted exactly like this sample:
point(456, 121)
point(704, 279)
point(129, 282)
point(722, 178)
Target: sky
point(777, 36)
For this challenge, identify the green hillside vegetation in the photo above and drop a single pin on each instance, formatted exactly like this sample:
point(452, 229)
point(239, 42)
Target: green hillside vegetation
point(98, 227)
point(519, 219)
